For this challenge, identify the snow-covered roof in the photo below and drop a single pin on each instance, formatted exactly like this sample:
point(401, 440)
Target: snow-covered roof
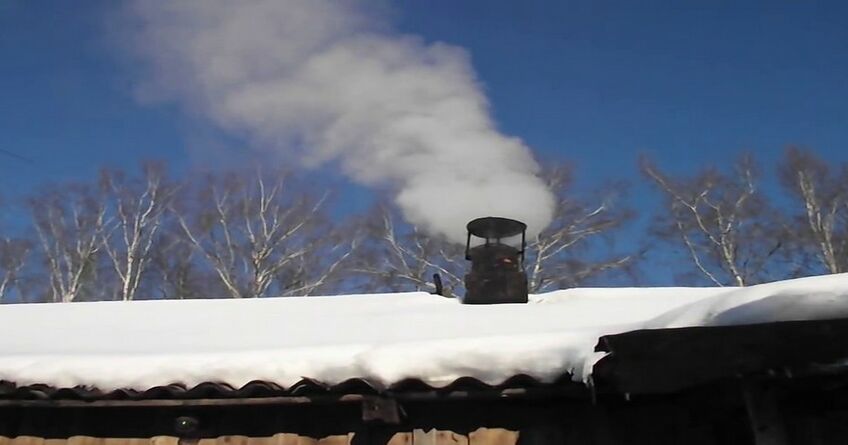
point(383, 337)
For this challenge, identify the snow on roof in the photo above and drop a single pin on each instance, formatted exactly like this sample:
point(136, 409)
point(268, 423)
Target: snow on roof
point(381, 337)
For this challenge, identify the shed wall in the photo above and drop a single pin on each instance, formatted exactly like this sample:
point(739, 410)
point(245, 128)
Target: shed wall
point(482, 436)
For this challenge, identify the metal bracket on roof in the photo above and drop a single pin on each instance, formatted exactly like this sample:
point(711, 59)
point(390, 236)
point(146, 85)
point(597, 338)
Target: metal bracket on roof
point(381, 409)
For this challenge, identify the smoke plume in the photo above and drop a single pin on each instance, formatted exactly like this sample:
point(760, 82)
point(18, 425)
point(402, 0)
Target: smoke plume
point(321, 81)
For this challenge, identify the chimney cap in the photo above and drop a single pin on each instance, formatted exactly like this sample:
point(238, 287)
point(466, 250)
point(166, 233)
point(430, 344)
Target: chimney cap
point(495, 227)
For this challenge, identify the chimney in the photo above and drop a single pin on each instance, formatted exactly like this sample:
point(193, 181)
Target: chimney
point(497, 263)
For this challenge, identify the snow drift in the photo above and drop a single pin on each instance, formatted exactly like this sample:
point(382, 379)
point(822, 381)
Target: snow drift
point(323, 81)
point(386, 337)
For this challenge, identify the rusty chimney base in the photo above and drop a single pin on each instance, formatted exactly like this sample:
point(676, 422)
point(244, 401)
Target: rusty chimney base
point(493, 287)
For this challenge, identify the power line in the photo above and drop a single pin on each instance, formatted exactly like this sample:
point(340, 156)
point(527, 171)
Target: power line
point(16, 156)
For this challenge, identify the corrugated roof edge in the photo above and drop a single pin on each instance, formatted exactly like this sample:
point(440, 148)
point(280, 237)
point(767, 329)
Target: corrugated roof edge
point(260, 389)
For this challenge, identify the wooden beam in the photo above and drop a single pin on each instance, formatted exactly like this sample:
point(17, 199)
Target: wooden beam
point(766, 420)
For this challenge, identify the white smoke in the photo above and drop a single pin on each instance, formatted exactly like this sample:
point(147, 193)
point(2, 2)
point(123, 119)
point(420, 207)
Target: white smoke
point(320, 81)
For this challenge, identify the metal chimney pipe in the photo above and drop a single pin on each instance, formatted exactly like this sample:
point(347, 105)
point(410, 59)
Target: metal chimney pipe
point(497, 267)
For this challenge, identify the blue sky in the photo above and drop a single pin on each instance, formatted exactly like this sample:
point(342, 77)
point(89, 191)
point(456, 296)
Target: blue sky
point(598, 82)
point(594, 83)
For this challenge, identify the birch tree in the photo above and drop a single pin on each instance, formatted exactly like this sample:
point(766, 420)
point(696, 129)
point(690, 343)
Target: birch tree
point(721, 220)
point(70, 224)
point(175, 269)
point(14, 254)
point(139, 205)
point(821, 195)
point(572, 250)
point(400, 257)
point(264, 235)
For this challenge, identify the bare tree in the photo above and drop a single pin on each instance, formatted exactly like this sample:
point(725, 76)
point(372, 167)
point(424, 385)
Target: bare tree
point(176, 271)
point(13, 257)
point(139, 206)
point(265, 235)
point(567, 254)
point(721, 220)
point(822, 226)
point(400, 257)
point(70, 224)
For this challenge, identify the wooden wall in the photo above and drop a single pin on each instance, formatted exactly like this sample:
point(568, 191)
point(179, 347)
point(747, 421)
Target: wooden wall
point(482, 436)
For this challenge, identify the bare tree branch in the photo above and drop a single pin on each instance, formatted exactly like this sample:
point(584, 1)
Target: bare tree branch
point(400, 257)
point(71, 225)
point(264, 235)
point(719, 220)
point(559, 256)
point(139, 210)
point(14, 254)
point(823, 226)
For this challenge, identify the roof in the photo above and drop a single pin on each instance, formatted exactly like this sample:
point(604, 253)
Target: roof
point(664, 361)
point(382, 342)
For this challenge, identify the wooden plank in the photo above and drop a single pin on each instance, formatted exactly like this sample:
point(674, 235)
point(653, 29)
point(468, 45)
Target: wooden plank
point(300, 440)
point(74, 440)
point(285, 439)
point(422, 437)
point(492, 436)
point(341, 439)
point(428, 437)
point(451, 438)
point(277, 439)
point(404, 438)
point(86, 440)
point(292, 439)
point(437, 437)
point(21, 440)
point(113, 441)
point(244, 440)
